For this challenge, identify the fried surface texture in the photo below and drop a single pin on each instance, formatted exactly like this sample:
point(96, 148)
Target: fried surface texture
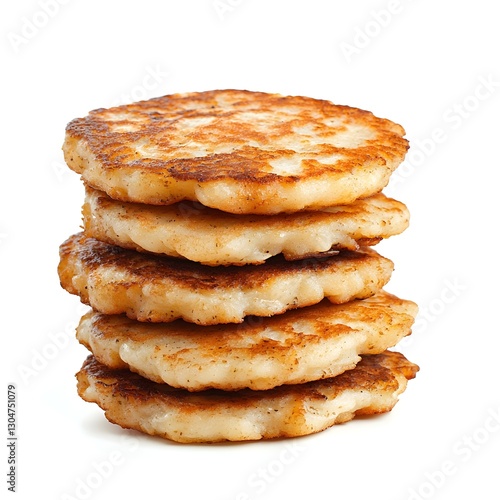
point(294, 410)
point(235, 150)
point(216, 238)
point(306, 344)
point(155, 288)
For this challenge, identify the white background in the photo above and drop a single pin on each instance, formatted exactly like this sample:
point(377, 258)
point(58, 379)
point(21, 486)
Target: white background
point(431, 66)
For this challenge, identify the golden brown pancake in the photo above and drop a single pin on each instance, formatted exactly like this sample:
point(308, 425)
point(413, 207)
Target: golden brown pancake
point(155, 288)
point(133, 402)
point(216, 238)
point(305, 344)
point(236, 151)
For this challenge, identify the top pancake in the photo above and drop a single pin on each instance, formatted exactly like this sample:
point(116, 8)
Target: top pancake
point(235, 150)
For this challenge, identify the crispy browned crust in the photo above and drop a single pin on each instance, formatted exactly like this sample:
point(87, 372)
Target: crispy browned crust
point(373, 372)
point(383, 309)
point(146, 269)
point(236, 133)
point(158, 117)
point(121, 392)
point(310, 343)
point(215, 235)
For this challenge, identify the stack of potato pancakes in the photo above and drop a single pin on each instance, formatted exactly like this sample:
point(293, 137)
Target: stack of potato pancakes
point(226, 255)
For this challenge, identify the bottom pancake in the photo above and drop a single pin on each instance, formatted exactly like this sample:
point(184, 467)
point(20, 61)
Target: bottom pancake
point(211, 416)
